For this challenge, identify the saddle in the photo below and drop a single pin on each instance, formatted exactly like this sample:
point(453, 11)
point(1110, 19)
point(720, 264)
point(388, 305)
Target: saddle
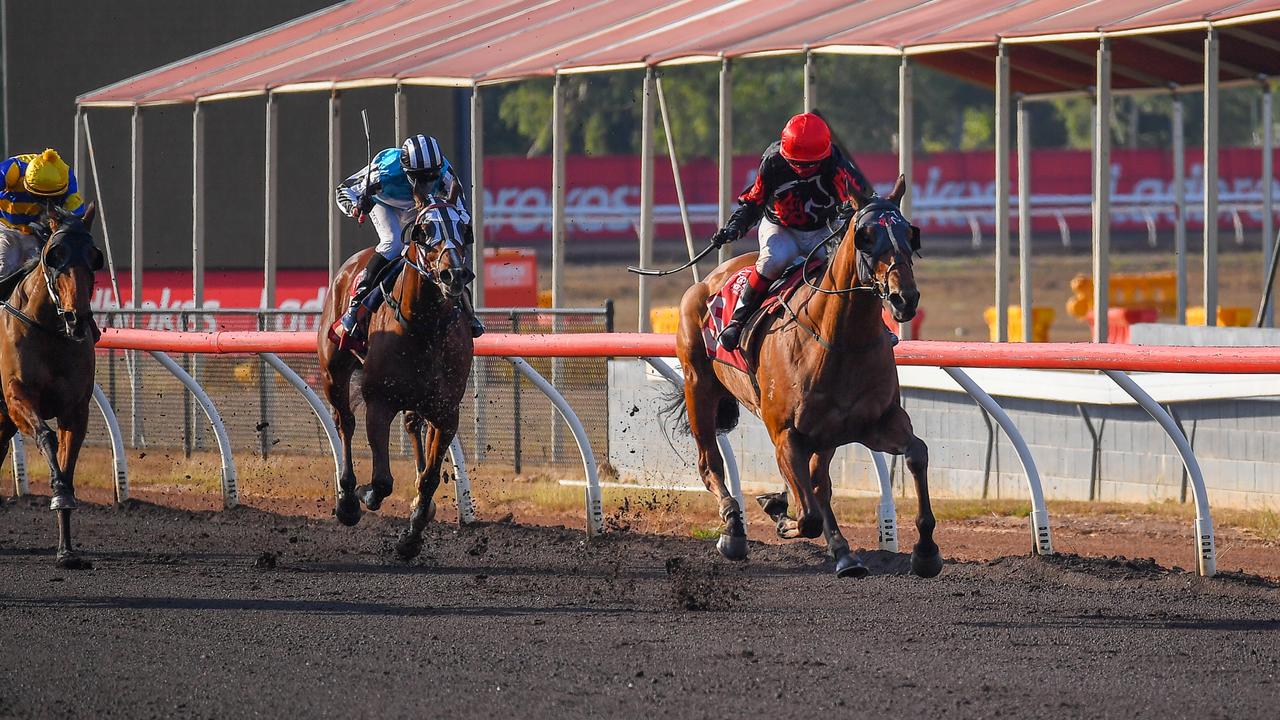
point(720, 309)
point(380, 287)
point(10, 282)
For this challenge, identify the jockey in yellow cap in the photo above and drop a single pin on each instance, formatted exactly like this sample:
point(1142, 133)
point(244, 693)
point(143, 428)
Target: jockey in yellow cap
point(31, 183)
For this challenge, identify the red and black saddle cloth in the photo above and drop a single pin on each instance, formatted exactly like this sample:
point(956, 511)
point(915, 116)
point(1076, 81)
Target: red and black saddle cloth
point(720, 309)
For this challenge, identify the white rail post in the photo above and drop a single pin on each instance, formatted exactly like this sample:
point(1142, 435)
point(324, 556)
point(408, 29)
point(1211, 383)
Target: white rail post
point(558, 230)
point(1042, 538)
point(462, 483)
point(594, 498)
point(675, 175)
point(230, 490)
point(21, 484)
point(1268, 197)
point(78, 154)
point(1002, 193)
point(1024, 220)
point(198, 206)
point(886, 512)
point(1211, 177)
point(722, 439)
point(646, 197)
point(727, 191)
point(906, 150)
point(1206, 555)
point(135, 274)
point(1102, 193)
point(119, 463)
point(1178, 128)
point(334, 252)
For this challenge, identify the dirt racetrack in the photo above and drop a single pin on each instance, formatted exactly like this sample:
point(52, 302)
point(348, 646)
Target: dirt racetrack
point(247, 613)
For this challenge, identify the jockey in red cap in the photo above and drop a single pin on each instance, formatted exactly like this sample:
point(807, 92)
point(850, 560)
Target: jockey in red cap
point(802, 182)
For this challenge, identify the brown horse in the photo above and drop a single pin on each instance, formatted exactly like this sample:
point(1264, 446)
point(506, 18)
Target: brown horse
point(825, 377)
point(47, 362)
point(418, 361)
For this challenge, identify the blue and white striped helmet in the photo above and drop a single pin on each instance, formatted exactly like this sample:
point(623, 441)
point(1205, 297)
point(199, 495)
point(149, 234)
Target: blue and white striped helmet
point(421, 153)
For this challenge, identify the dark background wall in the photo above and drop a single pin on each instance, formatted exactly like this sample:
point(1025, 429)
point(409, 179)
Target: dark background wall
point(56, 51)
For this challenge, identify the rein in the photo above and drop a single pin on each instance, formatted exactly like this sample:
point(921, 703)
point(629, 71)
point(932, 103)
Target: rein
point(429, 274)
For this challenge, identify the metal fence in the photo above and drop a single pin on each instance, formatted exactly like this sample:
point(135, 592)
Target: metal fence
point(506, 423)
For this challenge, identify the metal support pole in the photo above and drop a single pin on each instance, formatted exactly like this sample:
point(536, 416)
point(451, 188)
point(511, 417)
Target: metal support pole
point(1102, 193)
point(728, 193)
point(197, 206)
point(135, 276)
point(401, 107)
point(135, 219)
point(906, 150)
point(477, 196)
point(1211, 177)
point(271, 208)
point(78, 153)
point(1024, 220)
point(1268, 317)
point(810, 82)
point(675, 175)
point(335, 177)
point(557, 192)
point(1002, 193)
point(1180, 204)
point(646, 196)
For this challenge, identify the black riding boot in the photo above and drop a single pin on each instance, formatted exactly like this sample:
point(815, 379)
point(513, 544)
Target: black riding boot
point(350, 320)
point(748, 303)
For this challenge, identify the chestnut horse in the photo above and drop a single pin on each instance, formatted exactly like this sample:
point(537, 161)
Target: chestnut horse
point(825, 377)
point(46, 359)
point(418, 361)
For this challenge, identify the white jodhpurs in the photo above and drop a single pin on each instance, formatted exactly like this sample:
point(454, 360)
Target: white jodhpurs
point(16, 247)
point(390, 222)
point(780, 246)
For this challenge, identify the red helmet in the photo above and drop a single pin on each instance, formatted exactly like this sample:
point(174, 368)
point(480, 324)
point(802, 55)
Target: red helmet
point(806, 139)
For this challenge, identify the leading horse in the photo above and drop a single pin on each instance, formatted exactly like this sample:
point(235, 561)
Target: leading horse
point(418, 360)
point(47, 361)
point(824, 377)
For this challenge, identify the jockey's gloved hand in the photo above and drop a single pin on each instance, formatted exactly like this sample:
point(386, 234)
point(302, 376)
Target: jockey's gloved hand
point(723, 237)
point(362, 206)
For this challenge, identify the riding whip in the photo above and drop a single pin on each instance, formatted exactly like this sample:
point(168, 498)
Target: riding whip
point(368, 151)
point(660, 273)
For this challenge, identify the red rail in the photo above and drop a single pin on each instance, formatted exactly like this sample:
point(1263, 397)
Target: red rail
point(1056, 356)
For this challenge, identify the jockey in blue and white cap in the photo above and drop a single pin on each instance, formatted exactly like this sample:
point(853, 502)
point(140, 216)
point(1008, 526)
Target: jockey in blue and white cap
point(390, 191)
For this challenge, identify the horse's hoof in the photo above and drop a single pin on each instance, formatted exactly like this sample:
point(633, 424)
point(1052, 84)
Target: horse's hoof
point(72, 561)
point(810, 526)
point(63, 501)
point(849, 565)
point(347, 510)
point(371, 497)
point(408, 547)
point(732, 547)
point(926, 564)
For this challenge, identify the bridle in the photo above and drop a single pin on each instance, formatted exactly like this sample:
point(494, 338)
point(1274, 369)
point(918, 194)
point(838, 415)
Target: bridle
point(445, 234)
point(87, 256)
point(877, 211)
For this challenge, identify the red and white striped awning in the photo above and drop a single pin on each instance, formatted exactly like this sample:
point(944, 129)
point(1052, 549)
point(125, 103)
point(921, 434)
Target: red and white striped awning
point(473, 42)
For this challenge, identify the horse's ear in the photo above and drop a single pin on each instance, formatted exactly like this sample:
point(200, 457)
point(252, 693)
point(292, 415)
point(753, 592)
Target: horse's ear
point(899, 190)
point(90, 212)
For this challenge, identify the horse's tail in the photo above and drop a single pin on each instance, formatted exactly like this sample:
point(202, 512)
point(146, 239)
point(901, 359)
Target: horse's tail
point(675, 414)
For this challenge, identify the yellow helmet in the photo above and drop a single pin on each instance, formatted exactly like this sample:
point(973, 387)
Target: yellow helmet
point(47, 175)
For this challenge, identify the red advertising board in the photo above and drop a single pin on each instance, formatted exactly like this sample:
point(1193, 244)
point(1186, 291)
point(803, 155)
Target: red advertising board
point(518, 207)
